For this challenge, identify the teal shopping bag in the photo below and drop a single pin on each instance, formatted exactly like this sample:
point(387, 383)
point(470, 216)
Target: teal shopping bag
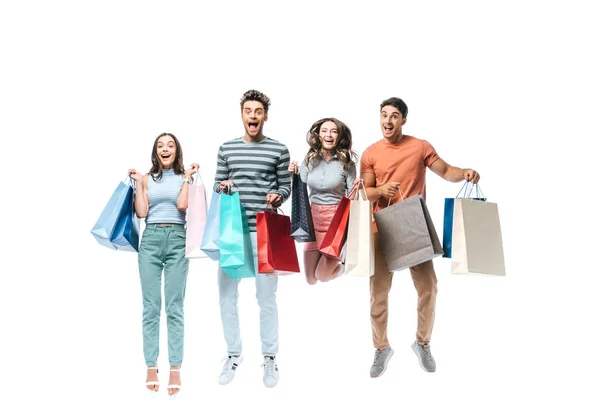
point(235, 247)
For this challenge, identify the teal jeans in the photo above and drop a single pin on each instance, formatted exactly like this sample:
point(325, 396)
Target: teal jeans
point(162, 249)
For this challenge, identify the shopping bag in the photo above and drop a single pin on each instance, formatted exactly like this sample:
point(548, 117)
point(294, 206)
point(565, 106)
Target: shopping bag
point(210, 235)
point(105, 225)
point(335, 237)
point(477, 238)
point(126, 236)
point(360, 255)
point(449, 215)
point(407, 234)
point(195, 219)
point(302, 227)
point(236, 257)
point(276, 248)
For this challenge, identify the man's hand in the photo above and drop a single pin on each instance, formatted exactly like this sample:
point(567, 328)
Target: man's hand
point(224, 185)
point(471, 175)
point(274, 199)
point(389, 189)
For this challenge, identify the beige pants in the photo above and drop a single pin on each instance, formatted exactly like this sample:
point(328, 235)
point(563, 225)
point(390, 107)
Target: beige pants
point(425, 281)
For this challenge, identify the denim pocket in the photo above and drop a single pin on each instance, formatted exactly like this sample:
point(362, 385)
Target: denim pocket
point(148, 232)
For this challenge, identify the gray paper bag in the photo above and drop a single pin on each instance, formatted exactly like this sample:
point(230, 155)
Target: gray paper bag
point(407, 234)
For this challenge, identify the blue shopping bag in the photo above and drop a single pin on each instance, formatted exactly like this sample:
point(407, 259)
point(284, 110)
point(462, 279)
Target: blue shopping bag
point(107, 222)
point(210, 236)
point(126, 235)
point(449, 214)
point(236, 256)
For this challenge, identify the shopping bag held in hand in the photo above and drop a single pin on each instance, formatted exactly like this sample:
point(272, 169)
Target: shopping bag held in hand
point(107, 222)
point(360, 256)
point(335, 237)
point(210, 235)
point(276, 248)
point(406, 233)
point(302, 227)
point(449, 215)
point(126, 236)
point(236, 257)
point(477, 238)
point(195, 219)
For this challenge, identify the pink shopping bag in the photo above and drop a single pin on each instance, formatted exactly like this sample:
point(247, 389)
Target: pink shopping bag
point(196, 219)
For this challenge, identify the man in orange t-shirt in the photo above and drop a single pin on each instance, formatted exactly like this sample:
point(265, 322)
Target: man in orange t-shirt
point(398, 162)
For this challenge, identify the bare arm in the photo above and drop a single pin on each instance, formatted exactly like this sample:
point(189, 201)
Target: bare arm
point(375, 193)
point(453, 174)
point(140, 202)
point(182, 199)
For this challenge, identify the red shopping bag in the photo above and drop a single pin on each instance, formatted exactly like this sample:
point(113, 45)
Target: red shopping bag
point(335, 237)
point(276, 248)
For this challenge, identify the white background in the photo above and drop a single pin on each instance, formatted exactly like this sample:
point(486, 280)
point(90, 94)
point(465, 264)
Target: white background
point(508, 88)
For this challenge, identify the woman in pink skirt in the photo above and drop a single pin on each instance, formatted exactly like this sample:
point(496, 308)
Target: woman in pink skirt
point(329, 171)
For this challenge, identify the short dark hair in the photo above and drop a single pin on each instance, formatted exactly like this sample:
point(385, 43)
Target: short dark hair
point(255, 95)
point(397, 103)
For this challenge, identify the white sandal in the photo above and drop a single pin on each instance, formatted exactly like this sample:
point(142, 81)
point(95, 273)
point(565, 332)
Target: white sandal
point(149, 383)
point(172, 386)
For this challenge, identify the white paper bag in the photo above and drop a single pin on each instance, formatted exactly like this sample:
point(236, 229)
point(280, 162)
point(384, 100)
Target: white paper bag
point(477, 238)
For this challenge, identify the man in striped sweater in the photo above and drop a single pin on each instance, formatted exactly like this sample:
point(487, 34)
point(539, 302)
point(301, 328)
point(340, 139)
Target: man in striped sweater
point(256, 166)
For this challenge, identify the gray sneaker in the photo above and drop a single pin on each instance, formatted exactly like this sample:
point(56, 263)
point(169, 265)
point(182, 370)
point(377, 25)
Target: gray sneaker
point(426, 360)
point(380, 362)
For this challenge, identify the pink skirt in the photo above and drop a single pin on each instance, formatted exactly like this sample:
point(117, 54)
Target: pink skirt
point(322, 215)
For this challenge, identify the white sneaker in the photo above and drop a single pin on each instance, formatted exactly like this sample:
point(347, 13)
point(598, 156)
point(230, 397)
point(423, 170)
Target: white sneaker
point(228, 371)
point(271, 372)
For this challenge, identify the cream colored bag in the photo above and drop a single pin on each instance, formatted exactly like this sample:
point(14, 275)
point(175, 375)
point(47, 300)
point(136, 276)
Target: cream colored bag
point(476, 238)
point(360, 256)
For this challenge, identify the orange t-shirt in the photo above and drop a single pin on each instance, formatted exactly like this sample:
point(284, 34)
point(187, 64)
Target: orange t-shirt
point(404, 162)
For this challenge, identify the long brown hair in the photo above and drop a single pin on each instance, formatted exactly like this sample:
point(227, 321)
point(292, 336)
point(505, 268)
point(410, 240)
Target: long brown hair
point(157, 171)
point(343, 148)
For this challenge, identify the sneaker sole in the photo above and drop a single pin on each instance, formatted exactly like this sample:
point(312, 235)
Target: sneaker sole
point(419, 358)
point(384, 365)
point(271, 385)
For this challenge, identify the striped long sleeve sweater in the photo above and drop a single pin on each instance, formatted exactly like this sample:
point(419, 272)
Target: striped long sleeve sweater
point(256, 169)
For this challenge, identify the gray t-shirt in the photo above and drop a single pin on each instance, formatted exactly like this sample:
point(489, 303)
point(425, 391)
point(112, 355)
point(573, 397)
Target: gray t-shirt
point(327, 181)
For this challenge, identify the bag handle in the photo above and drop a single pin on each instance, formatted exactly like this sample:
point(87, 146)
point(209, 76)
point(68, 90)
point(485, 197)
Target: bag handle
point(468, 189)
point(199, 178)
point(352, 191)
point(402, 198)
point(359, 189)
point(273, 209)
point(230, 188)
point(131, 181)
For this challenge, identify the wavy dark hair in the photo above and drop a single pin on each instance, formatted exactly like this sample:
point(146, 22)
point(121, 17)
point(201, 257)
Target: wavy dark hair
point(157, 171)
point(343, 148)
